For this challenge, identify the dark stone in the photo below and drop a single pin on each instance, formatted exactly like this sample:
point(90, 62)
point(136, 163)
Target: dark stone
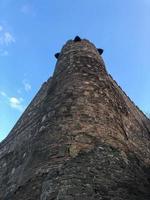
point(77, 39)
point(100, 51)
point(57, 55)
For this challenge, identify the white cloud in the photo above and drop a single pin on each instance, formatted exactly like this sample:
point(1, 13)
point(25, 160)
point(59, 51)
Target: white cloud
point(16, 103)
point(27, 86)
point(13, 102)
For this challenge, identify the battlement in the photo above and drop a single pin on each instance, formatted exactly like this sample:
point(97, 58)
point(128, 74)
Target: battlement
point(72, 51)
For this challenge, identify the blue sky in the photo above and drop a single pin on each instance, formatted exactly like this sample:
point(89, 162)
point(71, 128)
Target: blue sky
point(32, 31)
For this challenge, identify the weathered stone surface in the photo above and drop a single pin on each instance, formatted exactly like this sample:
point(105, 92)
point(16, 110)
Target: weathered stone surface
point(80, 138)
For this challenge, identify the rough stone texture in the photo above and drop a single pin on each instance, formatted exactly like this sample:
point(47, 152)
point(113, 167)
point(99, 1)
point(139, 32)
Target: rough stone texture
point(80, 138)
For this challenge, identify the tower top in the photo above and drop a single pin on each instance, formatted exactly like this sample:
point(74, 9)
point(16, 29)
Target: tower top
point(74, 49)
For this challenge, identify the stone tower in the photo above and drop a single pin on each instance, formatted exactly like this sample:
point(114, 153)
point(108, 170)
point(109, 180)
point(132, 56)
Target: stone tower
point(81, 138)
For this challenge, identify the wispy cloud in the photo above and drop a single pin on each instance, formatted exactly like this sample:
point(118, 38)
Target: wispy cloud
point(16, 103)
point(3, 52)
point(6, 39)
point(26, 85)
point(28, 9)
point(1, 28)
point(25, 9)
point(3, 94)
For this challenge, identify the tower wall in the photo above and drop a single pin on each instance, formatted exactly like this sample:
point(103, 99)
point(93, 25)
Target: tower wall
point(80, 138)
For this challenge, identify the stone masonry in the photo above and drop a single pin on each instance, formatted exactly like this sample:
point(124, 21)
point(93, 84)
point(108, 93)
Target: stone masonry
point(81, 138)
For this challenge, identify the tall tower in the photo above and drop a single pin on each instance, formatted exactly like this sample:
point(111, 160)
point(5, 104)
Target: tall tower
point(80, 138)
